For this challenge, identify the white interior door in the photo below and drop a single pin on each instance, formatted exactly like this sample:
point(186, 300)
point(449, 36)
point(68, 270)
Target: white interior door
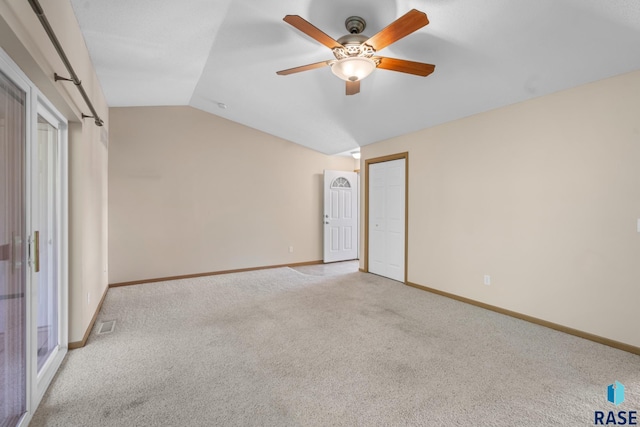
point(340, 216)
point(387, 219)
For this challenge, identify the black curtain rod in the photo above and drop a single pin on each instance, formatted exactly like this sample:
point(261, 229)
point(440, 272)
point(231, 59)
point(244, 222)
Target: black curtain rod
point(35, 5)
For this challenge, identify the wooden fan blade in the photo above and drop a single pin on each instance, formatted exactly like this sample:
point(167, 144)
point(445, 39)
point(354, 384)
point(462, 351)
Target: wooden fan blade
point(404, 66)
point(303, 68)
point(310, 30)
point(403, 26)
point(353, 87)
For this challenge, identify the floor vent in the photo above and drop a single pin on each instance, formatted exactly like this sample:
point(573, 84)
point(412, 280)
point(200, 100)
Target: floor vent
point(107, 327)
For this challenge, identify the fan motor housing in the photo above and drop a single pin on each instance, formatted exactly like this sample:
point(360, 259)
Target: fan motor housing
point(355, 24)
point(354, 39)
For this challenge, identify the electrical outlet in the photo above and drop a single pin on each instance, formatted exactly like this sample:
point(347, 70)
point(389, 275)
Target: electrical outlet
point(290, 249)
point(487, 279)
point(88, 298)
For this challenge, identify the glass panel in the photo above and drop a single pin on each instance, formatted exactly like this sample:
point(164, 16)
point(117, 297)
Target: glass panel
point(46, 224)
point(12, 263)
point(341, 182)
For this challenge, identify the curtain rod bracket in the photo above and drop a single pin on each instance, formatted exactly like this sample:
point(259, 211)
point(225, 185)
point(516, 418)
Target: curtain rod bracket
point(98, 121)
point(57, 77)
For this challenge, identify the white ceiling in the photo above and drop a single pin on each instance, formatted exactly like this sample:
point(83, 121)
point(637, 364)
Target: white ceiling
point(487, 54)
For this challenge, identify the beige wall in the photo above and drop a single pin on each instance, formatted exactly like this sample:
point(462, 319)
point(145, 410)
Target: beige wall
point(24, 39)
point(190, 192)
point(543, 196)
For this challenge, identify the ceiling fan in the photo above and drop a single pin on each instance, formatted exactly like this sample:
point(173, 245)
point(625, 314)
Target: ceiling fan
point(356, 53)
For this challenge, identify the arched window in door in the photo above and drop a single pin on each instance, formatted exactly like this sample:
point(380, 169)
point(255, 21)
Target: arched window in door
point(341, 182)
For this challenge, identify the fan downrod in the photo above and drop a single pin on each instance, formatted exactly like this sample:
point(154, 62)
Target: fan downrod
point(355, 24)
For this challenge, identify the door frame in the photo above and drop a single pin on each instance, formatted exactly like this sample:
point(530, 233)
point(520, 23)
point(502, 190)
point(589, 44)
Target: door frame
point(388, 158)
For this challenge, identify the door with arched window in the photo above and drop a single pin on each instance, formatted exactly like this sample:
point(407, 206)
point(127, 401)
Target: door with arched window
point(340, 220)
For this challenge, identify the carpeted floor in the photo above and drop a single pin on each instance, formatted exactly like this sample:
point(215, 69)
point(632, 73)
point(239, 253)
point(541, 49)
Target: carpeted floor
point(318, 347)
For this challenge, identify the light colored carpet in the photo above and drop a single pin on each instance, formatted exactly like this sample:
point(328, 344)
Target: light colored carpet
point(284, 347)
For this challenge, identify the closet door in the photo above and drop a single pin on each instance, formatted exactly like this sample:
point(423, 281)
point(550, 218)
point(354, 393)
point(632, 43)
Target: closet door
point(387, 219)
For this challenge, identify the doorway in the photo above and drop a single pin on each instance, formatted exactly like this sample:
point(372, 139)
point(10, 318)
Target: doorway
point(386, 211)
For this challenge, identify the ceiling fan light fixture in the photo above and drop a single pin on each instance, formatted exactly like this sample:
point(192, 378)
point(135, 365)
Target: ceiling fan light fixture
point(354, 68)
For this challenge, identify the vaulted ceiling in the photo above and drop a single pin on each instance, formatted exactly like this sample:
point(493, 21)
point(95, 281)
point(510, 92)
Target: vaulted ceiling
point(225, 53)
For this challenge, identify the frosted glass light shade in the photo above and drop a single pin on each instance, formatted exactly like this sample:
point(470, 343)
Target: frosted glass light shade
point(353, 68)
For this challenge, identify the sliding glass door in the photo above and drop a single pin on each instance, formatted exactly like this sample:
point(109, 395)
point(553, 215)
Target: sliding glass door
point(33, 244)
point(13, 268)
point(49, 306)
point(44, 207)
